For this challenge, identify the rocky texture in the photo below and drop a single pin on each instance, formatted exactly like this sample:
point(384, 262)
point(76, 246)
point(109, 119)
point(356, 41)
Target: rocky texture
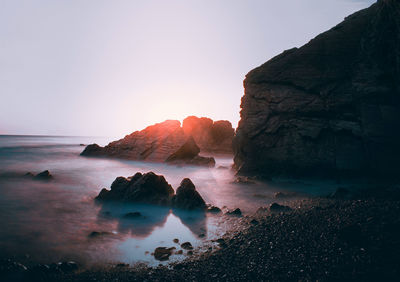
point(189, 154)
point(187, 197)
point(169, 141)
point(212, 137)
point(145, 188)
point(153, 189)
point(330, 107)
point(163, 253)
point(320, 239)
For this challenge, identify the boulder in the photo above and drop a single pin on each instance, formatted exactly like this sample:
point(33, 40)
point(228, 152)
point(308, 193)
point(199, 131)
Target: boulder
point(330, 108)
point(187, 197)
point(147, 188)
point(163, 253)
point(187, 246)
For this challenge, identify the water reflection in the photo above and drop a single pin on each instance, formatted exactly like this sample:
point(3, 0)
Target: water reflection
point(146, 218)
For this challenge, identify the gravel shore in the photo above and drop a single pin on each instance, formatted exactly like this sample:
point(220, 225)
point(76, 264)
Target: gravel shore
point(322, 239)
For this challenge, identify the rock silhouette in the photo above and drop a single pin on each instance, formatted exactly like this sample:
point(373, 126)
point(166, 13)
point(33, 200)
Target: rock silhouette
point(331, 107)
point(151, 188)
point(166, 140)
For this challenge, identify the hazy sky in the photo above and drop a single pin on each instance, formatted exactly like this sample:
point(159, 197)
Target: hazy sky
point(107, 68)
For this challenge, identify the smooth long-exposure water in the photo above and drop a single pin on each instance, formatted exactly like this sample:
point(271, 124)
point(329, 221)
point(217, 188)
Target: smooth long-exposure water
point(48, 221)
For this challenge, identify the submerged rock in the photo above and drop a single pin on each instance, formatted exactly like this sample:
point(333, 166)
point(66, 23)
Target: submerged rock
point(187, 197)
point(329, 108)
point(44, 175)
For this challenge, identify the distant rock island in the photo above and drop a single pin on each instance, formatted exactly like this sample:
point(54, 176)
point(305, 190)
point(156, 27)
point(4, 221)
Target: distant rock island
point(170, 142)
point(331, 107)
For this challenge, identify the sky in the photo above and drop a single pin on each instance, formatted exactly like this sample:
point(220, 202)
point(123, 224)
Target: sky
point(107, 68)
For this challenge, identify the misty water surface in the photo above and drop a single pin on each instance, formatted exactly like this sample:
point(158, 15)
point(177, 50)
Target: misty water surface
point(51, 221)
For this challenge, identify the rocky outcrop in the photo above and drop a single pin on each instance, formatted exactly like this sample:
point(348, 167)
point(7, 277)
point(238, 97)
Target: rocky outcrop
point(143, 188)
point(330, 107)
point(187, 197)
point(210, 136)
point(152, 189)
point(168, 141)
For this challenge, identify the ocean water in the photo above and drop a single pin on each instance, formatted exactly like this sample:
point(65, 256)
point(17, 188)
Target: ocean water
point(44, 222)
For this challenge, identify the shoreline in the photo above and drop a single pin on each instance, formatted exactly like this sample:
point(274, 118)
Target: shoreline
point(322, 239)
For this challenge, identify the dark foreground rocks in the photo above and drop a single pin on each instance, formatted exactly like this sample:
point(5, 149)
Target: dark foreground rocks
point(146, 188)
point(152, 189)
point(321, 239)
point(187, 197)
point(329, 108)
point(172, 143)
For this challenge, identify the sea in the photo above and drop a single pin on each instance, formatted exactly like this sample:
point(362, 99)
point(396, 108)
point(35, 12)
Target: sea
point(59, 220)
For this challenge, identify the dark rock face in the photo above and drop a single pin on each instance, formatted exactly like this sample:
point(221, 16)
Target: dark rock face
point(187, 197)
point(330, 107)
point(92, 149)
point(147, 188)
point(44, 175)
point(189, 154)
point(188, 151)
point(152, 189)
point(169, 141)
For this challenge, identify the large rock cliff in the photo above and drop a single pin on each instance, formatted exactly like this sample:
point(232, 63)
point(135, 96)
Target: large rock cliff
point(331, 107)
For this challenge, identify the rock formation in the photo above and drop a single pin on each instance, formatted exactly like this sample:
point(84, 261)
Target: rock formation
point(151, 188)
point(187, 197)
point(168, 141)
point(143, 188)
point(330, 107)
point(211, 137)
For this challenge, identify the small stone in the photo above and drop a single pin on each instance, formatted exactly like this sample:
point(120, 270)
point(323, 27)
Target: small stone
point(187, 246)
